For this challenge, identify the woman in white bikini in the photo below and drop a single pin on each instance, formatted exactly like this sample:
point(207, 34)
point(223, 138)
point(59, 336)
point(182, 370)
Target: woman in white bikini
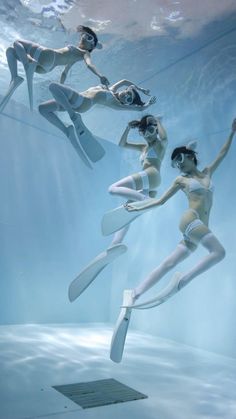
point(75, 103)
point(138, 186)
point(38, 59)
point(198, 187)
point(143, 184)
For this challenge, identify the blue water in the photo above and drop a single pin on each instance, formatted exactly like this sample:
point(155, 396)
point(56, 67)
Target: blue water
point(51, 205)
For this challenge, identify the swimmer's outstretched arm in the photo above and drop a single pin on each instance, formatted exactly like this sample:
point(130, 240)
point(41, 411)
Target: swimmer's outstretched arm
point(91, 66)
point(128, 83)
point(123, 141)
point(224, 150)
point(65, 72)
point(149, 203)
point(141, 108)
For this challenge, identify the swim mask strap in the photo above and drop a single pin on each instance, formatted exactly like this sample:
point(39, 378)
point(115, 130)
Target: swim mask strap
point(99, 45)
point(192, 145)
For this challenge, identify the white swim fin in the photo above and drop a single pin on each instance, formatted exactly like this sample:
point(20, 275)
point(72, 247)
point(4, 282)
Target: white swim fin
point(29, 73)
point(171, 289)
point(121, 328)
point(75, 143)
point(84, 279)
point(12, 87)
point(119, 217)
point(89, 143)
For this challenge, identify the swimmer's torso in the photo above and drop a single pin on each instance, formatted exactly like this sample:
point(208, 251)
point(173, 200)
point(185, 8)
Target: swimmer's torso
point(199, 191)
point(68, 55)
point(60, 57)
point(102, 97)
point(153, 155)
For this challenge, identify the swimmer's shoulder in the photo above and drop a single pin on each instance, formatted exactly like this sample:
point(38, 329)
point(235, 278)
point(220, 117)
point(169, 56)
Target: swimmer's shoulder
point(181, 181)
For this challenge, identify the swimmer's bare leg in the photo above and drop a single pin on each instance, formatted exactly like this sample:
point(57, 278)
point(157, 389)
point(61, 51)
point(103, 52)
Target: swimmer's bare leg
point(119, 236)
point(180, 253)
point(15, 79)
point(63, 94)
point(47, 110)
point(179, 280)
point(29, 65)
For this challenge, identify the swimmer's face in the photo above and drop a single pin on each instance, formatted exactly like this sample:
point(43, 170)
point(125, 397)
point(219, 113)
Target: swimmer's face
point(87, 41)
point(151, 130)
point(184, 162)
point(126, 97)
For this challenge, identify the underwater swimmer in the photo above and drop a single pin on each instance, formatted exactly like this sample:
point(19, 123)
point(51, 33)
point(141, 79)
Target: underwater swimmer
point(39, 59)
point(198, 188)
point(143, 184)
point(75, 103)
point(137, 186)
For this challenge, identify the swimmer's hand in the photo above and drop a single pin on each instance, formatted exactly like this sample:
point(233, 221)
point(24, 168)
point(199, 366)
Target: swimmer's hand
point(145, 91)
point(151, 101)
point(234, 125)
point(104, 81)
point(133, 124)
point(139, 205)
point(131, 207)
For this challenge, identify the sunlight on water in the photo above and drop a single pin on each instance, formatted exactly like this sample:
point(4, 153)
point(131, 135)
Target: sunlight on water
point(44, 355)
point(52, 206)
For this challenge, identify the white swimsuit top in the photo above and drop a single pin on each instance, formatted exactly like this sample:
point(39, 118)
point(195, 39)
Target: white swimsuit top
point(195, 185)
point(109, 95)
point(150, 153)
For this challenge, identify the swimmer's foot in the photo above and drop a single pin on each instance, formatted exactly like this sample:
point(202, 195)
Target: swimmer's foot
point(12, 87)
point(75, 143)
point(175, 285)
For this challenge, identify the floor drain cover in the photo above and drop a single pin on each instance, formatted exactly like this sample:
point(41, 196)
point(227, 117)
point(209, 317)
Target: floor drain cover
point(99, 393)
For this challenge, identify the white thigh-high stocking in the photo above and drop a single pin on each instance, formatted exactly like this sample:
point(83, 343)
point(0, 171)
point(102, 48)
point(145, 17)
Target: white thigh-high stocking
point(177, 256)
point(178, 281)
point(62, 95)
point(216, 254)
point(126, 188)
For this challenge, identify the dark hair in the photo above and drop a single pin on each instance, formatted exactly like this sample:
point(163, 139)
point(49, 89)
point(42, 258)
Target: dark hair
point(142, 123)
point(137, 99)
point(184, 150)
point(82, 28)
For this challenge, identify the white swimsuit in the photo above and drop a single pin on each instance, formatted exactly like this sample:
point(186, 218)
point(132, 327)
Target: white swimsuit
point(195, 186)
point(149, 153)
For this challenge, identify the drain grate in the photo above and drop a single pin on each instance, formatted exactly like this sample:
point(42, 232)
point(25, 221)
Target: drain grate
point(99, 393)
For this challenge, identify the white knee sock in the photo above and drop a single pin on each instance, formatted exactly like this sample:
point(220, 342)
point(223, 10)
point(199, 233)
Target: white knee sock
point(179, 254)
